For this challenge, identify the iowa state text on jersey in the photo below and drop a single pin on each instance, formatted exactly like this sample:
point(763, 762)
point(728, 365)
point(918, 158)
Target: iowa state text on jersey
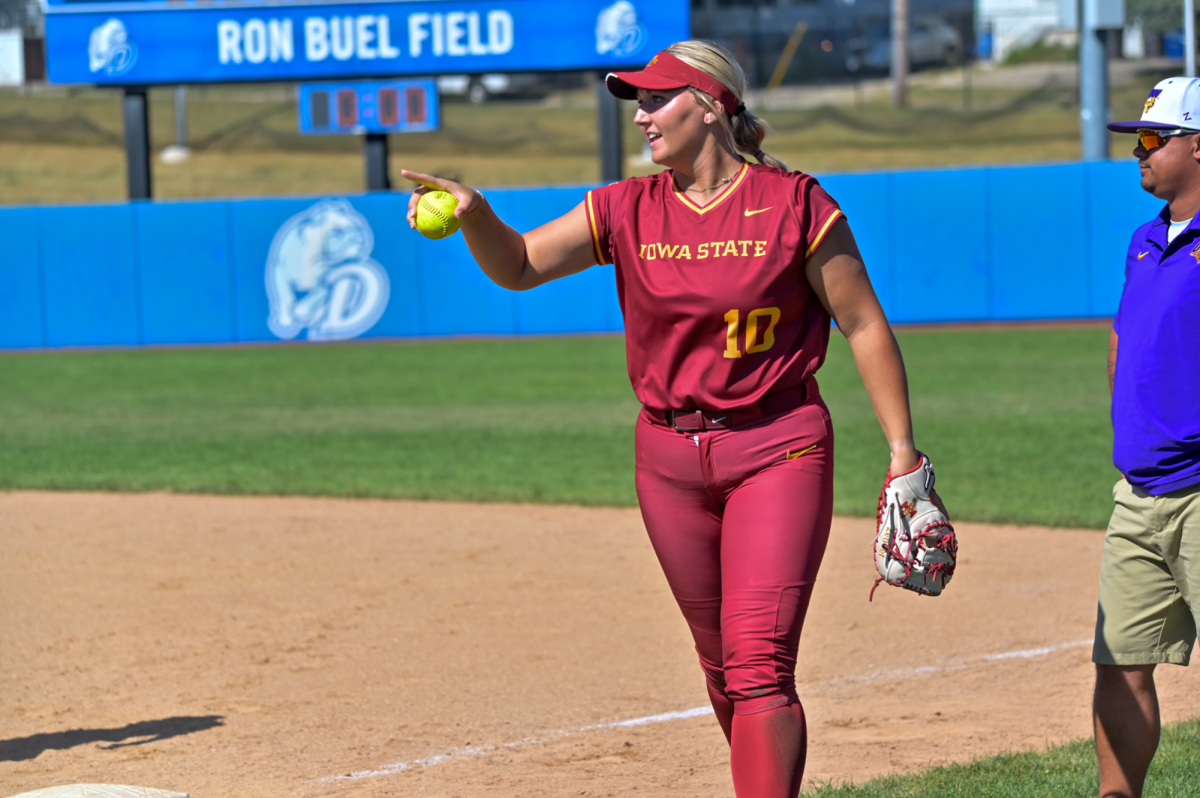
point(713, 249)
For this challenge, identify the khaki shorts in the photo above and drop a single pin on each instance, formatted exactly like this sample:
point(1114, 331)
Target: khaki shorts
point(1149, 578)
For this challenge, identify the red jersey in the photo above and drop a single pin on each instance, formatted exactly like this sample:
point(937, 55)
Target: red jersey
point(718, 311)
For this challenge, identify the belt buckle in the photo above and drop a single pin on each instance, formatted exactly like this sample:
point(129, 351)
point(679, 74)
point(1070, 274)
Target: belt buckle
point(695, 418)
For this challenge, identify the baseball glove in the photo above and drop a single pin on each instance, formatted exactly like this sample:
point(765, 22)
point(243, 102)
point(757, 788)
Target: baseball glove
point(915, 547)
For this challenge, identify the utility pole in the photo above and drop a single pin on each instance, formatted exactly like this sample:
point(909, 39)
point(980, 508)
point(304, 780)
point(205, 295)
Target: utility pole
point(1189, 37)
point(899, 53)
point(1099, 17)
point(181, 131)
point(612, 167)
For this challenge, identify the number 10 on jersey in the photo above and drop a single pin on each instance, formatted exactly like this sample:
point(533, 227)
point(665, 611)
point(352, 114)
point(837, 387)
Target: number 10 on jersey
point(753, 343)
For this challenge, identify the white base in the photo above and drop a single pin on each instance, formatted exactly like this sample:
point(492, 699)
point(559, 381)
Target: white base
point(100, 791)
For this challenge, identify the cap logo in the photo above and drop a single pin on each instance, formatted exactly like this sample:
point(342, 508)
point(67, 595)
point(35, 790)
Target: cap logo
point(653, 61)
point(1150, 100)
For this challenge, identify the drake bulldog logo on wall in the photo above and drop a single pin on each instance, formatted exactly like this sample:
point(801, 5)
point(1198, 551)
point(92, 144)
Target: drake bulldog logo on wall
point(321, 280)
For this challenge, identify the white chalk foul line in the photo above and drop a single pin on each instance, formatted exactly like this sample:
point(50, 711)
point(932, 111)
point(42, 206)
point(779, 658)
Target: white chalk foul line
point(437, 759)
point(1030, 653)
point(664, 717)
point(480, 750)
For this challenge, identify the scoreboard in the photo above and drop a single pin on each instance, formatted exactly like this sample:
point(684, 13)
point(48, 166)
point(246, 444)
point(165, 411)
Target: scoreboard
point(135, 44)
point(369, 107)
point(147, 42)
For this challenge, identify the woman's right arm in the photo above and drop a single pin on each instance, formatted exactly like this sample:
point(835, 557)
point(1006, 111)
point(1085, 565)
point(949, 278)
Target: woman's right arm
point(517, 262)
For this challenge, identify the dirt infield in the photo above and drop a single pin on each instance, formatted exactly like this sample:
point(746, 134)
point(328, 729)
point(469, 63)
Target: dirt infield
point(265, 647)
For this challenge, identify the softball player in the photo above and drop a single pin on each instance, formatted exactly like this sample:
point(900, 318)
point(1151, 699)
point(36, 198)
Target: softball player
point(728, 273)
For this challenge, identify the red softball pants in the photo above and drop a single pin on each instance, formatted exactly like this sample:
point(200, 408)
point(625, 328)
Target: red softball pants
point(739, 520)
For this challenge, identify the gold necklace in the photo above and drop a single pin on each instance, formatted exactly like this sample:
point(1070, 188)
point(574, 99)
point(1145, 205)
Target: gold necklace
point(718, 185)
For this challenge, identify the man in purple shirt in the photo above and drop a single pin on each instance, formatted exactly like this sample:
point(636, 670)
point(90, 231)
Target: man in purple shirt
point(1150, 572)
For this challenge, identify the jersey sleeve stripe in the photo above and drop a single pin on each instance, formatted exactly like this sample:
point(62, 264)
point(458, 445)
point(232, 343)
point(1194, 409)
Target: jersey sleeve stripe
point(596, 248)
point(820, 236)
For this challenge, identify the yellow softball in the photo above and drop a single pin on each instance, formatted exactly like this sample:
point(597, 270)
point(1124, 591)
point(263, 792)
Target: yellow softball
point(435, 214)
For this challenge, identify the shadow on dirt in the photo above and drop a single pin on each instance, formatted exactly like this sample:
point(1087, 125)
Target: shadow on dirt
point(22, 748)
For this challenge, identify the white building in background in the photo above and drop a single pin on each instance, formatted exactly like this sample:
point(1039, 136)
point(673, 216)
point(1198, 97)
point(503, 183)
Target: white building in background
point(1020, 23)
point(1017, 23)
point(1133, 42)
point(12, 57)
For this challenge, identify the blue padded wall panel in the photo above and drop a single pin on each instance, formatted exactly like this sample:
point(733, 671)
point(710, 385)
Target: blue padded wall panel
point(395, 251)
point(1038, 243)
point(253, 227)
point(91, 276)
point(457, 297)
point(614, 319)
point(864, 199)
point(22, 303)
point(1118, 207)
point(319, 235)
point(939, 246)
point(579, 303)
point(183, 251)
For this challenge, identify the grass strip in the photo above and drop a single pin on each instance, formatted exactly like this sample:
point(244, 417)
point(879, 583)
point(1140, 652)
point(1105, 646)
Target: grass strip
point(1015, 420)
point(1066, 771)
point(60, 145)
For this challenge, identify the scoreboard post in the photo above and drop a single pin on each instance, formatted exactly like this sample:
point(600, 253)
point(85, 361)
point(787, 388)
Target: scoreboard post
point(135, 109)
point(372, 108)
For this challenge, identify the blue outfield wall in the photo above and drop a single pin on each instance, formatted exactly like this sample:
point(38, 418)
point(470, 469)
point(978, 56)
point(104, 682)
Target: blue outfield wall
point(980, 244)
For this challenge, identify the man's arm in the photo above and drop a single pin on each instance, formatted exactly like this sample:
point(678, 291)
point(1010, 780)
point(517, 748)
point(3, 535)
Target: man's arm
point(1112, 359)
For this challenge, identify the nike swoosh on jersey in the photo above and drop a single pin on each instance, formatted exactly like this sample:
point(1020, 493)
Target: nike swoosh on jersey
point(800, 453)
point(1142, 255)
point(761, 210)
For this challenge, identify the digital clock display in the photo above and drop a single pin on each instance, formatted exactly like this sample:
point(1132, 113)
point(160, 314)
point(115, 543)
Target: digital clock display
point(401, 106)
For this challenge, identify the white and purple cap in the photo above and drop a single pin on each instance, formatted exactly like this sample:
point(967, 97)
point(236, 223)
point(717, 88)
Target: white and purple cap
point(1174, 103)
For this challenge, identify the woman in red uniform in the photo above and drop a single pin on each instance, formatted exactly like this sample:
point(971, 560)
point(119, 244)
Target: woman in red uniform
point(728, 273)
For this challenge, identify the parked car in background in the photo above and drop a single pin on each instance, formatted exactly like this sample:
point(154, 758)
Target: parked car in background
point(481, 88)
point(931, 42)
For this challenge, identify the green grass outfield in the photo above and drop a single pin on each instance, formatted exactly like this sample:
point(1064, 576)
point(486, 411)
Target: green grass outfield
point(1067, 771)
point(1016, 421)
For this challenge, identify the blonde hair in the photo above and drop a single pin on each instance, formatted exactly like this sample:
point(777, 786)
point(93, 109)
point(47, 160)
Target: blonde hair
point(745, 130)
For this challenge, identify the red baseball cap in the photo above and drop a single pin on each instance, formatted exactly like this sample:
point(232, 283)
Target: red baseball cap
point(665, 71)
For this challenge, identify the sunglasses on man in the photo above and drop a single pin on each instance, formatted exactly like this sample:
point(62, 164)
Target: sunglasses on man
point(1153, 139)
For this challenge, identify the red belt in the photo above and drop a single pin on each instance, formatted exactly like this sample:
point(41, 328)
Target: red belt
point(700, 420)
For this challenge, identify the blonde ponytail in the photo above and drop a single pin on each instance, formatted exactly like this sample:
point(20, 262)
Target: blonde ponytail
point(745, 130)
